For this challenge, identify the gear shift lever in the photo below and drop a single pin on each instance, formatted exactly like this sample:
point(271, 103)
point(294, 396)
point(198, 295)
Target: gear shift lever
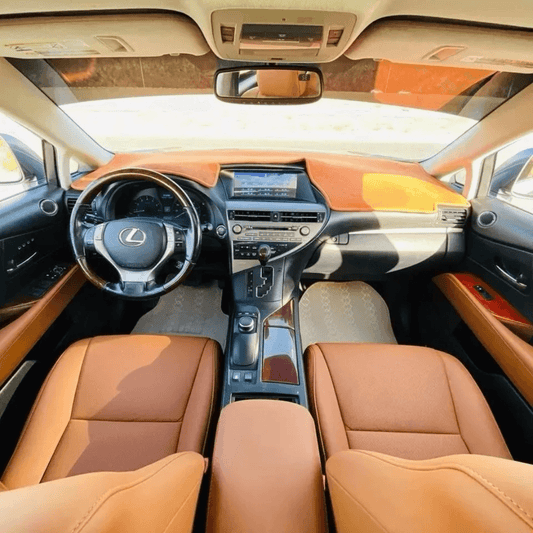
point(264, 252)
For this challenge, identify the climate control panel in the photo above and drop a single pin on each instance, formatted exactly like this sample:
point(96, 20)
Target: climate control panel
point(280, 230)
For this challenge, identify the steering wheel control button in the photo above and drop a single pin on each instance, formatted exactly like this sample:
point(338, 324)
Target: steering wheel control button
point(221, 231)
point(99, 232)
point(89, 238)
point(237, 229)
point(304, 230)
point(246, 324)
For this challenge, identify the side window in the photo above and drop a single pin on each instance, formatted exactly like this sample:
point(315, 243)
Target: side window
point(512, 179)
point(21, 158)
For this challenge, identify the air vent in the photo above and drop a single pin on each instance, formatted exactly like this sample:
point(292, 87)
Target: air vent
point(250, 216)
point(292, 216)
point(453, 217)
point(71, 201)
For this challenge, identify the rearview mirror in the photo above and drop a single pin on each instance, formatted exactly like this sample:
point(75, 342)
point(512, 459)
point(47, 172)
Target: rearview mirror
point(10, 171)
point(269, 85)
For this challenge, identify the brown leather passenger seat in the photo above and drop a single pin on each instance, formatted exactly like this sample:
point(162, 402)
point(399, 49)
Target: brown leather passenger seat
point(405, 401)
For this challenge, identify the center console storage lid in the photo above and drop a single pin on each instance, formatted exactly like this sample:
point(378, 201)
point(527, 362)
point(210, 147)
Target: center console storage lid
point(266, 470)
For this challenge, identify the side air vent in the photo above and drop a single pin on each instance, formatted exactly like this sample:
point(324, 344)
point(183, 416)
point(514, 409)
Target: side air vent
point(453, 217)
point(292, 216)
point(250, 216)
point(71, 200)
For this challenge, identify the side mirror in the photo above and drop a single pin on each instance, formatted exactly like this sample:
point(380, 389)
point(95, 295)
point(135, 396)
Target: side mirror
point(10, 171)
point(269, 85)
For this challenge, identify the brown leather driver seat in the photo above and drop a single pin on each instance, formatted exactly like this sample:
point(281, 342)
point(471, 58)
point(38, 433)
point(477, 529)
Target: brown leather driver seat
point(405, 401)
point(117, 404)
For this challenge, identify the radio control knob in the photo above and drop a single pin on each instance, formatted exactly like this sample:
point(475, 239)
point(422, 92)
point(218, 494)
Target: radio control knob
point(264, 252)
point(304, 230)
point(237, 229)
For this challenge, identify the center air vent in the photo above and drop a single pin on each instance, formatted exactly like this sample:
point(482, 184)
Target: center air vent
point(250, 216)
point(291, 216)
point(453, 217)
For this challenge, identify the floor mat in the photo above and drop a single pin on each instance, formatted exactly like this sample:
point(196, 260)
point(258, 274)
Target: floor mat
point(344, 312)
point(188, 311)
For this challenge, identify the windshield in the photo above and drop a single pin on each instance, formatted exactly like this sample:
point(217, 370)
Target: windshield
point(378, 108)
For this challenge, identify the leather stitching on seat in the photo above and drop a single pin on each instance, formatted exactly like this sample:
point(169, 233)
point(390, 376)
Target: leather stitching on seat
point(190, 392)
point(133, 421)
point(334, 389)
point(452, 398)
point(71, 409)
point(357, 502)
point(476, 476)
point(116, 490)
point(407, 432)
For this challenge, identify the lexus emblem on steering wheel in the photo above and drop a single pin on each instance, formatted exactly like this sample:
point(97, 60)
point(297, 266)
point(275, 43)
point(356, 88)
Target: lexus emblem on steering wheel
point(132, 237)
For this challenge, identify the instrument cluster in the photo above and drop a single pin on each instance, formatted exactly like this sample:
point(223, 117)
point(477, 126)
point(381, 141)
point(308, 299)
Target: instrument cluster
point(160, 203)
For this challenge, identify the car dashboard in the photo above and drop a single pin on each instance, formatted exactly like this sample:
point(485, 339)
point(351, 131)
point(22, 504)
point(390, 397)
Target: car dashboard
point(332, 220)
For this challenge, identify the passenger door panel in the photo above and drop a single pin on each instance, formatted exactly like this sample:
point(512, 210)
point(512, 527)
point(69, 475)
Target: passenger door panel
point(502, 252)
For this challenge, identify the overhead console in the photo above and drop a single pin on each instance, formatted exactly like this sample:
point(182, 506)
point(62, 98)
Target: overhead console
point(281, 35)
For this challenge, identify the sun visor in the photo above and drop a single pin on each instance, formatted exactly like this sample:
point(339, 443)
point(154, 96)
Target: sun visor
point(131, 35)
point(454, 45)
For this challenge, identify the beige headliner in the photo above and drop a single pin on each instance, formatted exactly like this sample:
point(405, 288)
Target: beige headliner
point(510, 121)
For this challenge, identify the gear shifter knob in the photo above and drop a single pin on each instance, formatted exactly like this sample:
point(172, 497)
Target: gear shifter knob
point(264, 253)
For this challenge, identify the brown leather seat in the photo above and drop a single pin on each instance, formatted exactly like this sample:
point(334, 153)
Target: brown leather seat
point(374, 493)
point(118, 404)
point(405, 401)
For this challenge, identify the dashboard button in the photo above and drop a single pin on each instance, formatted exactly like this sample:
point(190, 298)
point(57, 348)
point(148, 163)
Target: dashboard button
point(221, 231)
point(237, 229)
point(304, 230)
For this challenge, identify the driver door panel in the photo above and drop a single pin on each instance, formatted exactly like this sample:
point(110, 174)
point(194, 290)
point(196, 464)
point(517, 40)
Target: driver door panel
point(31, 245)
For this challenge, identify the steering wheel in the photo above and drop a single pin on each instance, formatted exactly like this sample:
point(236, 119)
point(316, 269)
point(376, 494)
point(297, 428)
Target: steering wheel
point(136, 247)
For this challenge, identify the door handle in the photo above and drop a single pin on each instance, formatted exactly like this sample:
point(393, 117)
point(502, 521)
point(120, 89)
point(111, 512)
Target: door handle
point(14, 267)
point(511, 279)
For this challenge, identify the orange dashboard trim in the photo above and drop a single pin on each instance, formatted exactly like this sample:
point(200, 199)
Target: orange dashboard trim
point(349, 183)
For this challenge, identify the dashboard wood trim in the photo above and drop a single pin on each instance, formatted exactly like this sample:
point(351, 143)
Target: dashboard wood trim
point(349, 183)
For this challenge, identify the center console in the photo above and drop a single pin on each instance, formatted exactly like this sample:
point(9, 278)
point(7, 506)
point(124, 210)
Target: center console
point(273, 215)
point(266, 472)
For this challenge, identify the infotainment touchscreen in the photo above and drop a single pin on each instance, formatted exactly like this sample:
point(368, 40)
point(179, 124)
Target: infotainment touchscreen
point(265, 184)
